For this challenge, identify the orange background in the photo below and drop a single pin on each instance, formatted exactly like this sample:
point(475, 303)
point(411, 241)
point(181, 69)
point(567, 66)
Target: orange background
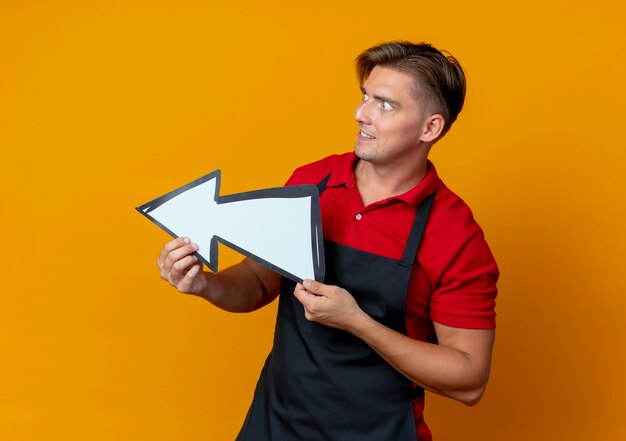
point(105, 105)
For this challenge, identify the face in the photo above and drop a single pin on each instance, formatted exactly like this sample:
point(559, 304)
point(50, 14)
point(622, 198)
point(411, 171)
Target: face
point(391, 124)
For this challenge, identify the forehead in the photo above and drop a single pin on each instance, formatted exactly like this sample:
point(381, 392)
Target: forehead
point(392, 83)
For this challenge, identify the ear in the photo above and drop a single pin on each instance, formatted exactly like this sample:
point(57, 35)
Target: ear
point(433, 126)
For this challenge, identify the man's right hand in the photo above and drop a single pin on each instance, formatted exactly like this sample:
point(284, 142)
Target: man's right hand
point(181, 268)
point(243, 287)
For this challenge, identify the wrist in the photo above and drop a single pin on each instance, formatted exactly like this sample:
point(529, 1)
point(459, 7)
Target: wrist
point(209, 287)
point(360, 323)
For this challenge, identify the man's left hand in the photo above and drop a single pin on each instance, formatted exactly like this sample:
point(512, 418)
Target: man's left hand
point(328, 304)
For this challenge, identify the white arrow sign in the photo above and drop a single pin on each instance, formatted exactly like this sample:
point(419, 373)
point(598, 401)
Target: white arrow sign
point(278, 227)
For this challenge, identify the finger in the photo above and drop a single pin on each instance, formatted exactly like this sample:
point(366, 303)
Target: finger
point(315, 287)
point(305, 297)
point(167, 267)
point(187, 282)
point(178, 254)
point(184, 264)
point(171, 246)
point(180, 268)
point(300, 293)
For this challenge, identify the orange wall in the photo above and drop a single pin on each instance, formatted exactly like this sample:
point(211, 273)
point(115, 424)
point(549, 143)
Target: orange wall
point(105, 105)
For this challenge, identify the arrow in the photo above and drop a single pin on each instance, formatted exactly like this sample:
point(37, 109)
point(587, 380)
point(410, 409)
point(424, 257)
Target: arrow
point(280, 228)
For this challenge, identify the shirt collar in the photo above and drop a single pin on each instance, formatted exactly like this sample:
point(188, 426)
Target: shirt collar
point(343, 174)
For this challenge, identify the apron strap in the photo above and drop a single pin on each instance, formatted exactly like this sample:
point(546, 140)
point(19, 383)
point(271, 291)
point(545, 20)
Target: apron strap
point(417, 231)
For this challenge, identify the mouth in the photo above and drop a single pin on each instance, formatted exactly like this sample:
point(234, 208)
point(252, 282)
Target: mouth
point(365, 135)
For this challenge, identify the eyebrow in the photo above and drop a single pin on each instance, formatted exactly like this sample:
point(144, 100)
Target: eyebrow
point(381, 97)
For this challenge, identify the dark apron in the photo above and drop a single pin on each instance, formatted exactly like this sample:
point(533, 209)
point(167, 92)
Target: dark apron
point(323, 384)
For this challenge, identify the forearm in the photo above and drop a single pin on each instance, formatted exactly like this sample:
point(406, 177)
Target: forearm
point(442, 369)
point(457, 367)
point(240, 288)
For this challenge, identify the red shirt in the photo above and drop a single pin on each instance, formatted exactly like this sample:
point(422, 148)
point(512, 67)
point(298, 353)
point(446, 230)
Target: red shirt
point(453, 281)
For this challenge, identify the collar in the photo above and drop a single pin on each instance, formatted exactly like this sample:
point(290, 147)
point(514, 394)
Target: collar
point(343, 174)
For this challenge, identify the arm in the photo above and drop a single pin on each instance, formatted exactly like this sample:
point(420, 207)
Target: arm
point(244, 287)
point(456, 367)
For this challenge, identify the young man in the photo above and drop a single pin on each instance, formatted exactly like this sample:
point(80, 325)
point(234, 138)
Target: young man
point(409, 293)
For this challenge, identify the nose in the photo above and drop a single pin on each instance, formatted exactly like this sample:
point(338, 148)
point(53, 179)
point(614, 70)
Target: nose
point(362, 114)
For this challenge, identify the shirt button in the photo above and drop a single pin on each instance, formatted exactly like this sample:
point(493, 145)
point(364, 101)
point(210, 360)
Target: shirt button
point(358, 216)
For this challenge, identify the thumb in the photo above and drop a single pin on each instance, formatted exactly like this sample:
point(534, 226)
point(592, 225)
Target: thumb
point(315, 287)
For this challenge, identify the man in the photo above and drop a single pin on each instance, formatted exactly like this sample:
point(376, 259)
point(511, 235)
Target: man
point(408, 300)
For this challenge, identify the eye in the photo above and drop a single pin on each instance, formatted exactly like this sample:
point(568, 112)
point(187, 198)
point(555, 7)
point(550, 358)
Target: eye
point(366, 97)
point(386, 106)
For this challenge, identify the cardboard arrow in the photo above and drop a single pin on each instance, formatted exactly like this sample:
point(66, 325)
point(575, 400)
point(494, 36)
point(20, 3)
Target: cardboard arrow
point(280, 228)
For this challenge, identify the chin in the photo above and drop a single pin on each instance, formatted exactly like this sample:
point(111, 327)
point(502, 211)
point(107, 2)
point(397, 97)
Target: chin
point(364, 154)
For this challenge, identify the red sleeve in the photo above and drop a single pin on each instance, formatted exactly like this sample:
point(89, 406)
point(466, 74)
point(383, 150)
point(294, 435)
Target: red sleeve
point(462, 271)
point(465, 296)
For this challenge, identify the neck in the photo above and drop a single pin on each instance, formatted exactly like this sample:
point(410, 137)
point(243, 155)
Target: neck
point(377, 182)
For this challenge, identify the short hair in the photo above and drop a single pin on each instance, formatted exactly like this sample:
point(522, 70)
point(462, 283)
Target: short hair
point(438, 77)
